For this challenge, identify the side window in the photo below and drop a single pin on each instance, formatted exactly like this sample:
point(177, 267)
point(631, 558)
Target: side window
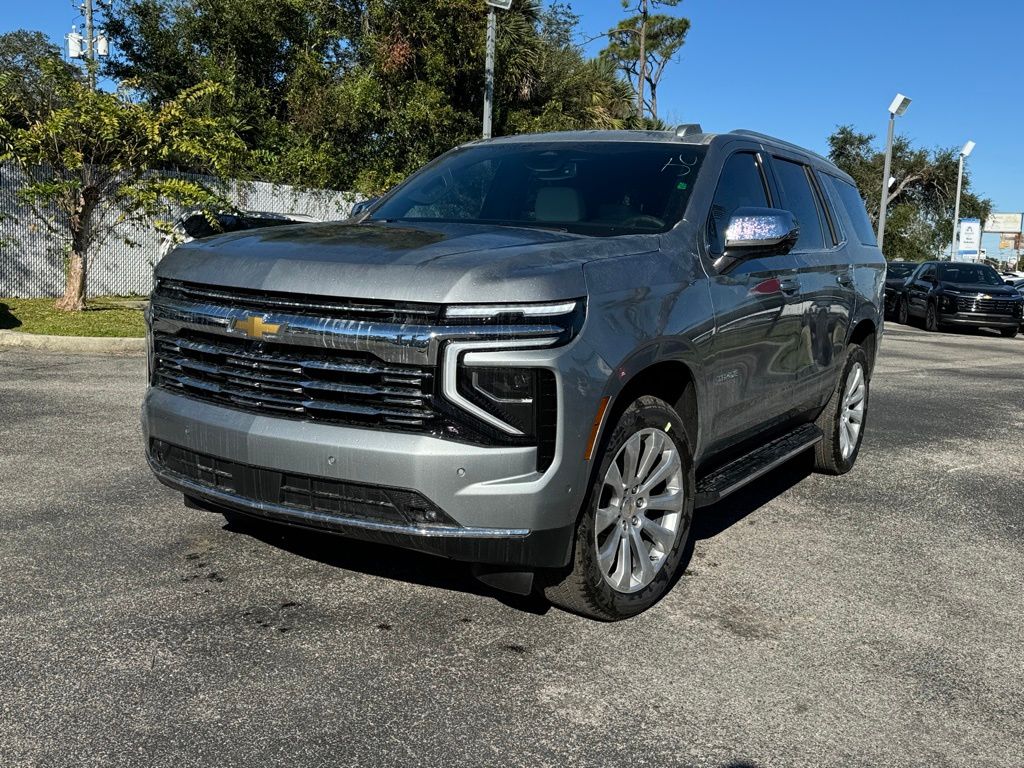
point(802, 202)
point(741, 185)
point(854, 205)
point(929, 273)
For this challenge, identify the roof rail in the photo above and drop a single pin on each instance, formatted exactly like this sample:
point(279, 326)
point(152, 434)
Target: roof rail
point(688, 129)
point(781, 142)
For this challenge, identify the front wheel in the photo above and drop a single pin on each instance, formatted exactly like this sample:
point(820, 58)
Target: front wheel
point(931, 318)
point(845, 416)
point(635, 525)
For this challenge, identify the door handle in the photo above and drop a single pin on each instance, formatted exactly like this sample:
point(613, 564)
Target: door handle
point(789, 285)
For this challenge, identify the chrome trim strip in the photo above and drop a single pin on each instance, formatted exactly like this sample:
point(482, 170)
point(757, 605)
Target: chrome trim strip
point(487, 311)
point(451, 371)
point(280, 511)
point(391, 342)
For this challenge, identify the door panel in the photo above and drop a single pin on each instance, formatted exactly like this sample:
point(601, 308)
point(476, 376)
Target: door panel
point(754, 357)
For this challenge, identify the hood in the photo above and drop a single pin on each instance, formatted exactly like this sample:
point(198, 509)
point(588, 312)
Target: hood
point(973, 289)
point(429, 262)
point(895, 282)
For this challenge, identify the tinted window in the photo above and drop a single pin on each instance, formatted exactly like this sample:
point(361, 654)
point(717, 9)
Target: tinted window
point(900, 268)
point(854, 205)
point(928, 273)
point(980, 274)
point(596, 188)
point(740, 186)
point(802, 202)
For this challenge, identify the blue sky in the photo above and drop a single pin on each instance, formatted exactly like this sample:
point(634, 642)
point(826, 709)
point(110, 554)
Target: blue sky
point(799, 68)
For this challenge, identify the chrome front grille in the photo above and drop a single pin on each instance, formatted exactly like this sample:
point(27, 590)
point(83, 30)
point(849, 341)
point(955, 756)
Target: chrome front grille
point(268, 378)
point(987, 306)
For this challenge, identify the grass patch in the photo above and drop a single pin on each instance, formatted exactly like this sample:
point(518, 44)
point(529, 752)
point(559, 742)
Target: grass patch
point(104, 316)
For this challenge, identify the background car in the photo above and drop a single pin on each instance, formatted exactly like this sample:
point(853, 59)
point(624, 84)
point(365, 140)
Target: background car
point(195, 225)
point(896, 274)
point(947, 293)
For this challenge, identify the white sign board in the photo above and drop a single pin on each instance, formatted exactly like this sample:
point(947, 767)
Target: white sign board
point(1004, 222)
point(970, 237)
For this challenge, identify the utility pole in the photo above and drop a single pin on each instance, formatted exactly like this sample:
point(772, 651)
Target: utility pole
point(90, 45)
point(492, 29)
point(492, 38)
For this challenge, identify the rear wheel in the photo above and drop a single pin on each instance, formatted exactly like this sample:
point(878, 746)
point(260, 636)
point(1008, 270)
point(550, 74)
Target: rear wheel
point(902, 311)
point(844, 418)
point(635, 525)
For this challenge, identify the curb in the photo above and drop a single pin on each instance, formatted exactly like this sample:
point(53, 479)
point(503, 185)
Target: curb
point(99, 345)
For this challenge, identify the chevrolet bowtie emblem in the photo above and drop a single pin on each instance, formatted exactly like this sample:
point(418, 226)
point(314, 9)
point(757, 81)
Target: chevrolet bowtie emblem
point(254, 326)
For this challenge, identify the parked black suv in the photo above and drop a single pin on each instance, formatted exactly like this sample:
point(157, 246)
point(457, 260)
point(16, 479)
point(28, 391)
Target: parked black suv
point(953, 293)
point(537, 354)
point(896, 275)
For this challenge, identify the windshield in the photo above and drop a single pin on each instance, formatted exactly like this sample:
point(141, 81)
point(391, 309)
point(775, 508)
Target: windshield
point(900, 268)
point(980, 274)
point(596, 188)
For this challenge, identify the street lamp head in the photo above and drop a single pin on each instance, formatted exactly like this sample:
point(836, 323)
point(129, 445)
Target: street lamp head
point(968, 148)
point(899, 105)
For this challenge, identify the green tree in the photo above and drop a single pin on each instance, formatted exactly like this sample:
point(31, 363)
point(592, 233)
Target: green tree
point(642, 45)
point(919, 218)
point(355, 94)
point(96, 158)
point(22, 54)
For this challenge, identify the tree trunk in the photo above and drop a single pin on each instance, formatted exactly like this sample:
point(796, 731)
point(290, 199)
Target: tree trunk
point(80, 224)
point(641, 81)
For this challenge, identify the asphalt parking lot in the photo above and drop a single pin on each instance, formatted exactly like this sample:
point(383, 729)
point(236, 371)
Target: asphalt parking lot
point(872, 619)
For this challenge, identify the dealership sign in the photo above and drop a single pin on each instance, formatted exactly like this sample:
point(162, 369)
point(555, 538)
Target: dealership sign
point(970, 237)
point(1004, 222)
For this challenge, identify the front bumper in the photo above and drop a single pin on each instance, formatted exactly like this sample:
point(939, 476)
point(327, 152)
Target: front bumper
point(503, 511)
point(978, 320)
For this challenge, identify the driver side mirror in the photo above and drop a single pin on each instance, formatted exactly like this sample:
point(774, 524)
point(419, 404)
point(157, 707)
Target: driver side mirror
point(362, 206)
point(756, 232)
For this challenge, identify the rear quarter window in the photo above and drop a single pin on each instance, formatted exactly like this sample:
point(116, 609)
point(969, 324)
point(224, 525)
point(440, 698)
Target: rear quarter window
point(845, 193)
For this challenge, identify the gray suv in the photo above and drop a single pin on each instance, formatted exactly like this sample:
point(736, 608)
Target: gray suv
point(538, 354)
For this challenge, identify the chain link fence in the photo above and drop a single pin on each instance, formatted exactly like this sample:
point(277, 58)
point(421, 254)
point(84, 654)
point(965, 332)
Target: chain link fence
point(32, 258)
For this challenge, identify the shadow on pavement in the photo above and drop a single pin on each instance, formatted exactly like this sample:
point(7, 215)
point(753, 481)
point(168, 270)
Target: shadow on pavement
point(708, 522)
point(382, 561)
point(7, 319)
point(412, 567)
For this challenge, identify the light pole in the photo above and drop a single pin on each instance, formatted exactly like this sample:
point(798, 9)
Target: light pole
point(964, 153)
point(898, 107)
point(492, 34)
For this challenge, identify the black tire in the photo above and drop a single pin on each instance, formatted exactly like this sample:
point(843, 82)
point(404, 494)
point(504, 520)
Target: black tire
point(583, 589)
point(931, 318)
point(1009, 333)
point(828, 454)
point(903, 311)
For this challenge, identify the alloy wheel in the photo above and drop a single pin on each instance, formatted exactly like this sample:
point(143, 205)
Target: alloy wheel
point(639, 510)
point(851, 418)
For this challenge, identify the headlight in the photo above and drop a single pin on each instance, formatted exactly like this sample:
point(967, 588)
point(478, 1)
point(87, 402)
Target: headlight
point(508, 394)
point(563, 319)
point(949, 302)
